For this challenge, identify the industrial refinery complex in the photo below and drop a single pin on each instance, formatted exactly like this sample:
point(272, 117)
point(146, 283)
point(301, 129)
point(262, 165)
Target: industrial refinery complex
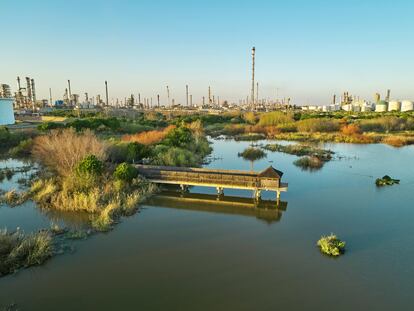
point(23, 101)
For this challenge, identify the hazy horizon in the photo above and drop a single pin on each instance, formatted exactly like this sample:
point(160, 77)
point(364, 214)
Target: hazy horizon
point(306, 51)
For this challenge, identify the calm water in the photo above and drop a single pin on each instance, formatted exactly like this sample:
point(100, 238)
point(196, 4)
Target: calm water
point(194, 254)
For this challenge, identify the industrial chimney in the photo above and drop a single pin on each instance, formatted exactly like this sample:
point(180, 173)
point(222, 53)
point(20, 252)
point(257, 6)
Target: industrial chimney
point(253, 65)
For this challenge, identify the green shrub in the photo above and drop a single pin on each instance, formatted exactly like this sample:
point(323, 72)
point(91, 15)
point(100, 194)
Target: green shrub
point(90, 165)
point(179, 137)
point(175, 156)
point(331, 245)
point(47, 126)
point(10, 139)
point(23, 149)
point(137, 151)
point(125, 172)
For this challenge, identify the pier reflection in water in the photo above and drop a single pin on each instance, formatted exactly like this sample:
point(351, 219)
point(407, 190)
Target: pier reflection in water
point(269, 211)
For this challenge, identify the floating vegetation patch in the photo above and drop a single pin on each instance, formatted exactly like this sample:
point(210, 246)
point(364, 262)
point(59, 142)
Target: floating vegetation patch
point(249, 137)
point(309, 163)
point(331, 245)
point(301, 150)
point(386, 181)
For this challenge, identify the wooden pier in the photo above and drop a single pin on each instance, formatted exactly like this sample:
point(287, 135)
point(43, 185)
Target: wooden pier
point(266, 180)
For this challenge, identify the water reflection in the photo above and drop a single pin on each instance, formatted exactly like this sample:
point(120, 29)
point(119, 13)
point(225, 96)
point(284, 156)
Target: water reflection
point(268, 211)
point(74, 221)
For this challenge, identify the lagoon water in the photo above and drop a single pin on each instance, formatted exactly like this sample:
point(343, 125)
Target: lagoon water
point(182, 254)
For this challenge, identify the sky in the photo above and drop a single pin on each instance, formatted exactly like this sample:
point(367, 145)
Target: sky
point(305, 50)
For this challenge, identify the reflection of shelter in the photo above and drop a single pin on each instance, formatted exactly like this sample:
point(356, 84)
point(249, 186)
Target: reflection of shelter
point(268, 179)
point(267, 210)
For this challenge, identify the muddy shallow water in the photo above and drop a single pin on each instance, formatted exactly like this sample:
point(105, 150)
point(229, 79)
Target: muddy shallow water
point(193, 254)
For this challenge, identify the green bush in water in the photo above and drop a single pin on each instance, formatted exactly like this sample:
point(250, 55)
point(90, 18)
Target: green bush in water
point(331, 245)
point(125, 172)
point(90, 165)
point(386, 181)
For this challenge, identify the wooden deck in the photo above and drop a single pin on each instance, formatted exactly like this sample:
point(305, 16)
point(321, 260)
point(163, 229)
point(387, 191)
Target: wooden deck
point(266, 180)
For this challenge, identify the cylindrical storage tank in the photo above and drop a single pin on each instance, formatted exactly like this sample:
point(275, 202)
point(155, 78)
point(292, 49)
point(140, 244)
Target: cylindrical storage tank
point(6, 111)
point(347, 107)
point(356, 108)
point(381, 106)
point(407, 105)
point(394, 106)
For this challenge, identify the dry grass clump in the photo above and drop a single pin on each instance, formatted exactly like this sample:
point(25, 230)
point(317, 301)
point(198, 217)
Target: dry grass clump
point(149, 137)
point(18, 250)
point(398, 141)
point(13, 198)
point(351, 129)
point(61, 150)
point(275, 118)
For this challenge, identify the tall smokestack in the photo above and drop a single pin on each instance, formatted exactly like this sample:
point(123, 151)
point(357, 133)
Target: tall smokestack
point(253, 64)
point(209, 95)
point(334, 100)
point(388, 95)
point(33, 91)
point(28, 90)
point(257, 92)
point(50, 97)
point(70, 92)
point(186, 95)
point(18, 83)
point(106, 93)
point(168, 96)
point(158, 101)
point(191, 100)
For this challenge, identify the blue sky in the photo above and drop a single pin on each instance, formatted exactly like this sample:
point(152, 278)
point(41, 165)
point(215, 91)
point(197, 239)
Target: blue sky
point(308, 50)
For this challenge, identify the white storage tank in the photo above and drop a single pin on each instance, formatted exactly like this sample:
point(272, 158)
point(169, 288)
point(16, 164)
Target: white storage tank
point(407, 105)
point(347, 107)
point(381, 106)
point(394, 105)
point(6, 111)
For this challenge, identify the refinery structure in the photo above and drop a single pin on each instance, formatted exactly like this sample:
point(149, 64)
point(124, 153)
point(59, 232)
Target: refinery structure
point(24, 101)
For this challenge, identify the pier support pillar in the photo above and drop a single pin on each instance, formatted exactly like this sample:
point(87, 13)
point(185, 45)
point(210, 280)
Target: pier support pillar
point(184, 188)
point(220, 191)
point(278, 195)
point(257, 194)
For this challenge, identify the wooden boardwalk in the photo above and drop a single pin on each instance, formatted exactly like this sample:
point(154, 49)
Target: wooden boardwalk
point(266, 180)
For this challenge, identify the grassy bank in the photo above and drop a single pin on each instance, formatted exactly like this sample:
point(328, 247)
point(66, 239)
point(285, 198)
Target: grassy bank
point(395, 129)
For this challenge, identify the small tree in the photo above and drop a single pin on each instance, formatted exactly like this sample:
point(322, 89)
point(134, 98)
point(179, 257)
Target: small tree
point(125, 172)
point(90, 165)
point(252, 154)
point(179, 137)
